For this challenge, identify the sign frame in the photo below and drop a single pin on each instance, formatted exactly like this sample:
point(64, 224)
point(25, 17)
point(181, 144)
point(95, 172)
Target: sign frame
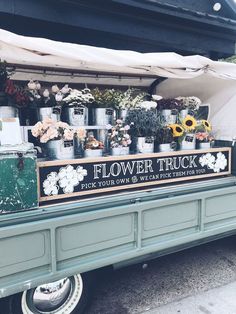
point(104, 159)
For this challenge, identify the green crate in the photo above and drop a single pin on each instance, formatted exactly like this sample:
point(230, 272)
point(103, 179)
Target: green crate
point(18, 180)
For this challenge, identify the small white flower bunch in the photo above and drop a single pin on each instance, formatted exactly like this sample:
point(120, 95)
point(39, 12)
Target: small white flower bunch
point(34, 90)
point(48, 130)
point(118, 134)
point(79, 97)
point(148, 105)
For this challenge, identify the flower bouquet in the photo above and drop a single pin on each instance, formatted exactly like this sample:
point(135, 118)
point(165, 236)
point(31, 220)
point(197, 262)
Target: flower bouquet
point(119, 138)
point(203, 136)
point(105, 103)
point(185, 132)
point(76, 102)
point(143, 127)
point(165, 139)
point(58, 136)
point(169, 108)
point(92, 147)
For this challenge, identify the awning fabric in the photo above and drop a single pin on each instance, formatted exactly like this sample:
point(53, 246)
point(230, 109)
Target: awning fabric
point(44, 52)
point(213, 82)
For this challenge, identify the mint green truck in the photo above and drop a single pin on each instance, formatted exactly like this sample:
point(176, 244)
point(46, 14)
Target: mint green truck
point(51, 254)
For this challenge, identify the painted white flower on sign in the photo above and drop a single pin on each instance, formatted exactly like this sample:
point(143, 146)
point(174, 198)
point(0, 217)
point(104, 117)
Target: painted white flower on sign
point(67, 178)
point(217, 163)
point(50, 186)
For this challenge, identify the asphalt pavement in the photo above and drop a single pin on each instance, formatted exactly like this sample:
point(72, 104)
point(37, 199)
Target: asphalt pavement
point(177, 283)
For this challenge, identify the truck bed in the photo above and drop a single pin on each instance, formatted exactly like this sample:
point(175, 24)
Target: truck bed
point(56, 241)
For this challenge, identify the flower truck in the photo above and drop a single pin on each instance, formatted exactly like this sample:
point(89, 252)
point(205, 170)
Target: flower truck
point(107, 158)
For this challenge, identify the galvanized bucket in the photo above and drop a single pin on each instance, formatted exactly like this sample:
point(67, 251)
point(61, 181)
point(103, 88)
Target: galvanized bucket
point(53, 113)
point(167, 147)
point(204, 145)
point(92, 153)
point(189, 142)
point(77, 115)
point(120, 151)
point(8, 112)
point(183, 114)
point(79, 148)
point(122, 113)
point(145, 145)
point(168, 116)
point(60, 149)
point(103, 116)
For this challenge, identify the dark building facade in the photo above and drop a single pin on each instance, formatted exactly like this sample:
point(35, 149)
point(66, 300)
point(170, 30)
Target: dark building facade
point(182, 26)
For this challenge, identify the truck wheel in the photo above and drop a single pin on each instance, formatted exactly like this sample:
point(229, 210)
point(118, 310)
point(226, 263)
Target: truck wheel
point(66, 296)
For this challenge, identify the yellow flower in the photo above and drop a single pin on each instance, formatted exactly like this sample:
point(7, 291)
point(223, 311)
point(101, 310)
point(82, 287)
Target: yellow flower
point(189, 123)
point(177, 130)
point(206, 125)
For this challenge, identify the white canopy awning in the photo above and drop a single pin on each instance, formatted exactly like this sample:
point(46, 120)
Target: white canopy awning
point(23, 50)
point(213, 82)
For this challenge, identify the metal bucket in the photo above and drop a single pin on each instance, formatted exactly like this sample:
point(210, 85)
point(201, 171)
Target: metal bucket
point(103, 116)
point(92, 153)
point(122, 113)
point(77, 116)
point(79, 148)
point(53, 113)
point(168, 116)
point(183, 114)
point(120, 151)
point(8, 112)
point(167, 147)
point(189, 142)
point(145, 145)
point(60, 149)
point(204, 145)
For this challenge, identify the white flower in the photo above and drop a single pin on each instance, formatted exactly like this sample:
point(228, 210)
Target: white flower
point(31, 85)
point(46, 93)
point(65, 89)
point(81, 173)
point(156, 97)
point(59, 96)
point(147, 105)
point(214, 163)
point(38, 85)
point(50, 186)
point(55, 89)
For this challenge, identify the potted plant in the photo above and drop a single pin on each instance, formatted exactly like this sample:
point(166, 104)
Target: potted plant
point(143, 124)
point(165, 139)
point(203, 136)
point(92, 147)
point(185, 132)
point(129, 100)
point(105, 103)
point(7, 109)
point(169, 108)
point(188, 106)
point(49, 107)
point(76, 105)
point(118, 138)
point(57, 136)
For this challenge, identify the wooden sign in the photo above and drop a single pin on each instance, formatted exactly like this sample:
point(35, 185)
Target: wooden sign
point(63, 179)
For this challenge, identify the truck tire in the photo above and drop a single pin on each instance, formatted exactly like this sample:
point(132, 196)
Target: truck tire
point(68, 295)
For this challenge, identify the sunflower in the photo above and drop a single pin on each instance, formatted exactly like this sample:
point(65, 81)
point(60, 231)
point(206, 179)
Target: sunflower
point(177, 130)
point(189, 123)
point(206, 125)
